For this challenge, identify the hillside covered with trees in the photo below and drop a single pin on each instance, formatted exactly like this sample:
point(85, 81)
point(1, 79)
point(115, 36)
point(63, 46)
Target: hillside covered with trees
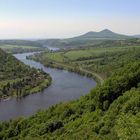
point(98, 62)
point(17, 79)
point(110, 111)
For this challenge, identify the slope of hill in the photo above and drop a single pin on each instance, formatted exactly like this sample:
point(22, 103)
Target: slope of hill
point(89, 38)
point(19, 42)
point(20, 46)
point(101, 60)
point(17, 79)
point(104, 34)
point(20, 49)
point(110, 111)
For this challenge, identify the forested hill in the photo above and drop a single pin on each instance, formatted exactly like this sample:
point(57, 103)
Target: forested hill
point(104, 34)
point(90, 38)
point(109, 112)
point(17, 79)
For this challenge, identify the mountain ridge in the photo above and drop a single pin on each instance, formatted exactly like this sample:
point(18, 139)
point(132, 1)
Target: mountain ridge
point(103, 34)
point(89, 38)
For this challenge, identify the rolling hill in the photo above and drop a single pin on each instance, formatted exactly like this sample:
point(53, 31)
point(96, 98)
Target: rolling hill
point(18, 79)
point(20, 46)
point(104, 34)
point(89, 38)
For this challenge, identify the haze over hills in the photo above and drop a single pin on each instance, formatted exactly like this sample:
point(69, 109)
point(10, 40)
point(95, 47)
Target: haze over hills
point(85, 39)
point(138, 36)
point(104, 34)
point(89, 38)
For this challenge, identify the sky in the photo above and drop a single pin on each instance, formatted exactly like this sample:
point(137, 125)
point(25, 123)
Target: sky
point(67, 18)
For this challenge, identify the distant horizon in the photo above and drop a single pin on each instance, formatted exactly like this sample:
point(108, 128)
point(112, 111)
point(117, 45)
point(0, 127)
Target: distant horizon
point(34, 39)
point(21, 19)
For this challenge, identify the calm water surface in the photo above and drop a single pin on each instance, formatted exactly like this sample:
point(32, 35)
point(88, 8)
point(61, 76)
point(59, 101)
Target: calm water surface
point(65, 86)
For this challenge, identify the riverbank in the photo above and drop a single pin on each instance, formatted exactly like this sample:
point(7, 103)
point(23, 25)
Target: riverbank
point(69, 67)
point(65, 86)
point(4, 99)
point(18, 80)
point(40, 87)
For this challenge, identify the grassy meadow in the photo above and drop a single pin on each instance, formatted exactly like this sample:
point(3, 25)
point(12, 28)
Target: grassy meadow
point(101, 61)
point(19, 48)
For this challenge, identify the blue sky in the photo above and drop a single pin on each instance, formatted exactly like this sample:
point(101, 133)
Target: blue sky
point(67, 18)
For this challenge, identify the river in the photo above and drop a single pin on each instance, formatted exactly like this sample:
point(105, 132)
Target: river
point(65, 86)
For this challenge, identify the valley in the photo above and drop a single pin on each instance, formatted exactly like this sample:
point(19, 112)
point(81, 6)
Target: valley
point(69, 70)
point(96, 62)
point(109, 111)
point(93, 89)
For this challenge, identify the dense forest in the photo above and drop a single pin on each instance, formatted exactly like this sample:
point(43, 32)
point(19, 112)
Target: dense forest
point(17, 79)
point(110, 111)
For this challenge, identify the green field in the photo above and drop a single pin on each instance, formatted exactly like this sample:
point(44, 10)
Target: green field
point(58, 56)
point(19, 48)
point(15, 46)
point(92, 52)
point(74, 55)
point(101, 61)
